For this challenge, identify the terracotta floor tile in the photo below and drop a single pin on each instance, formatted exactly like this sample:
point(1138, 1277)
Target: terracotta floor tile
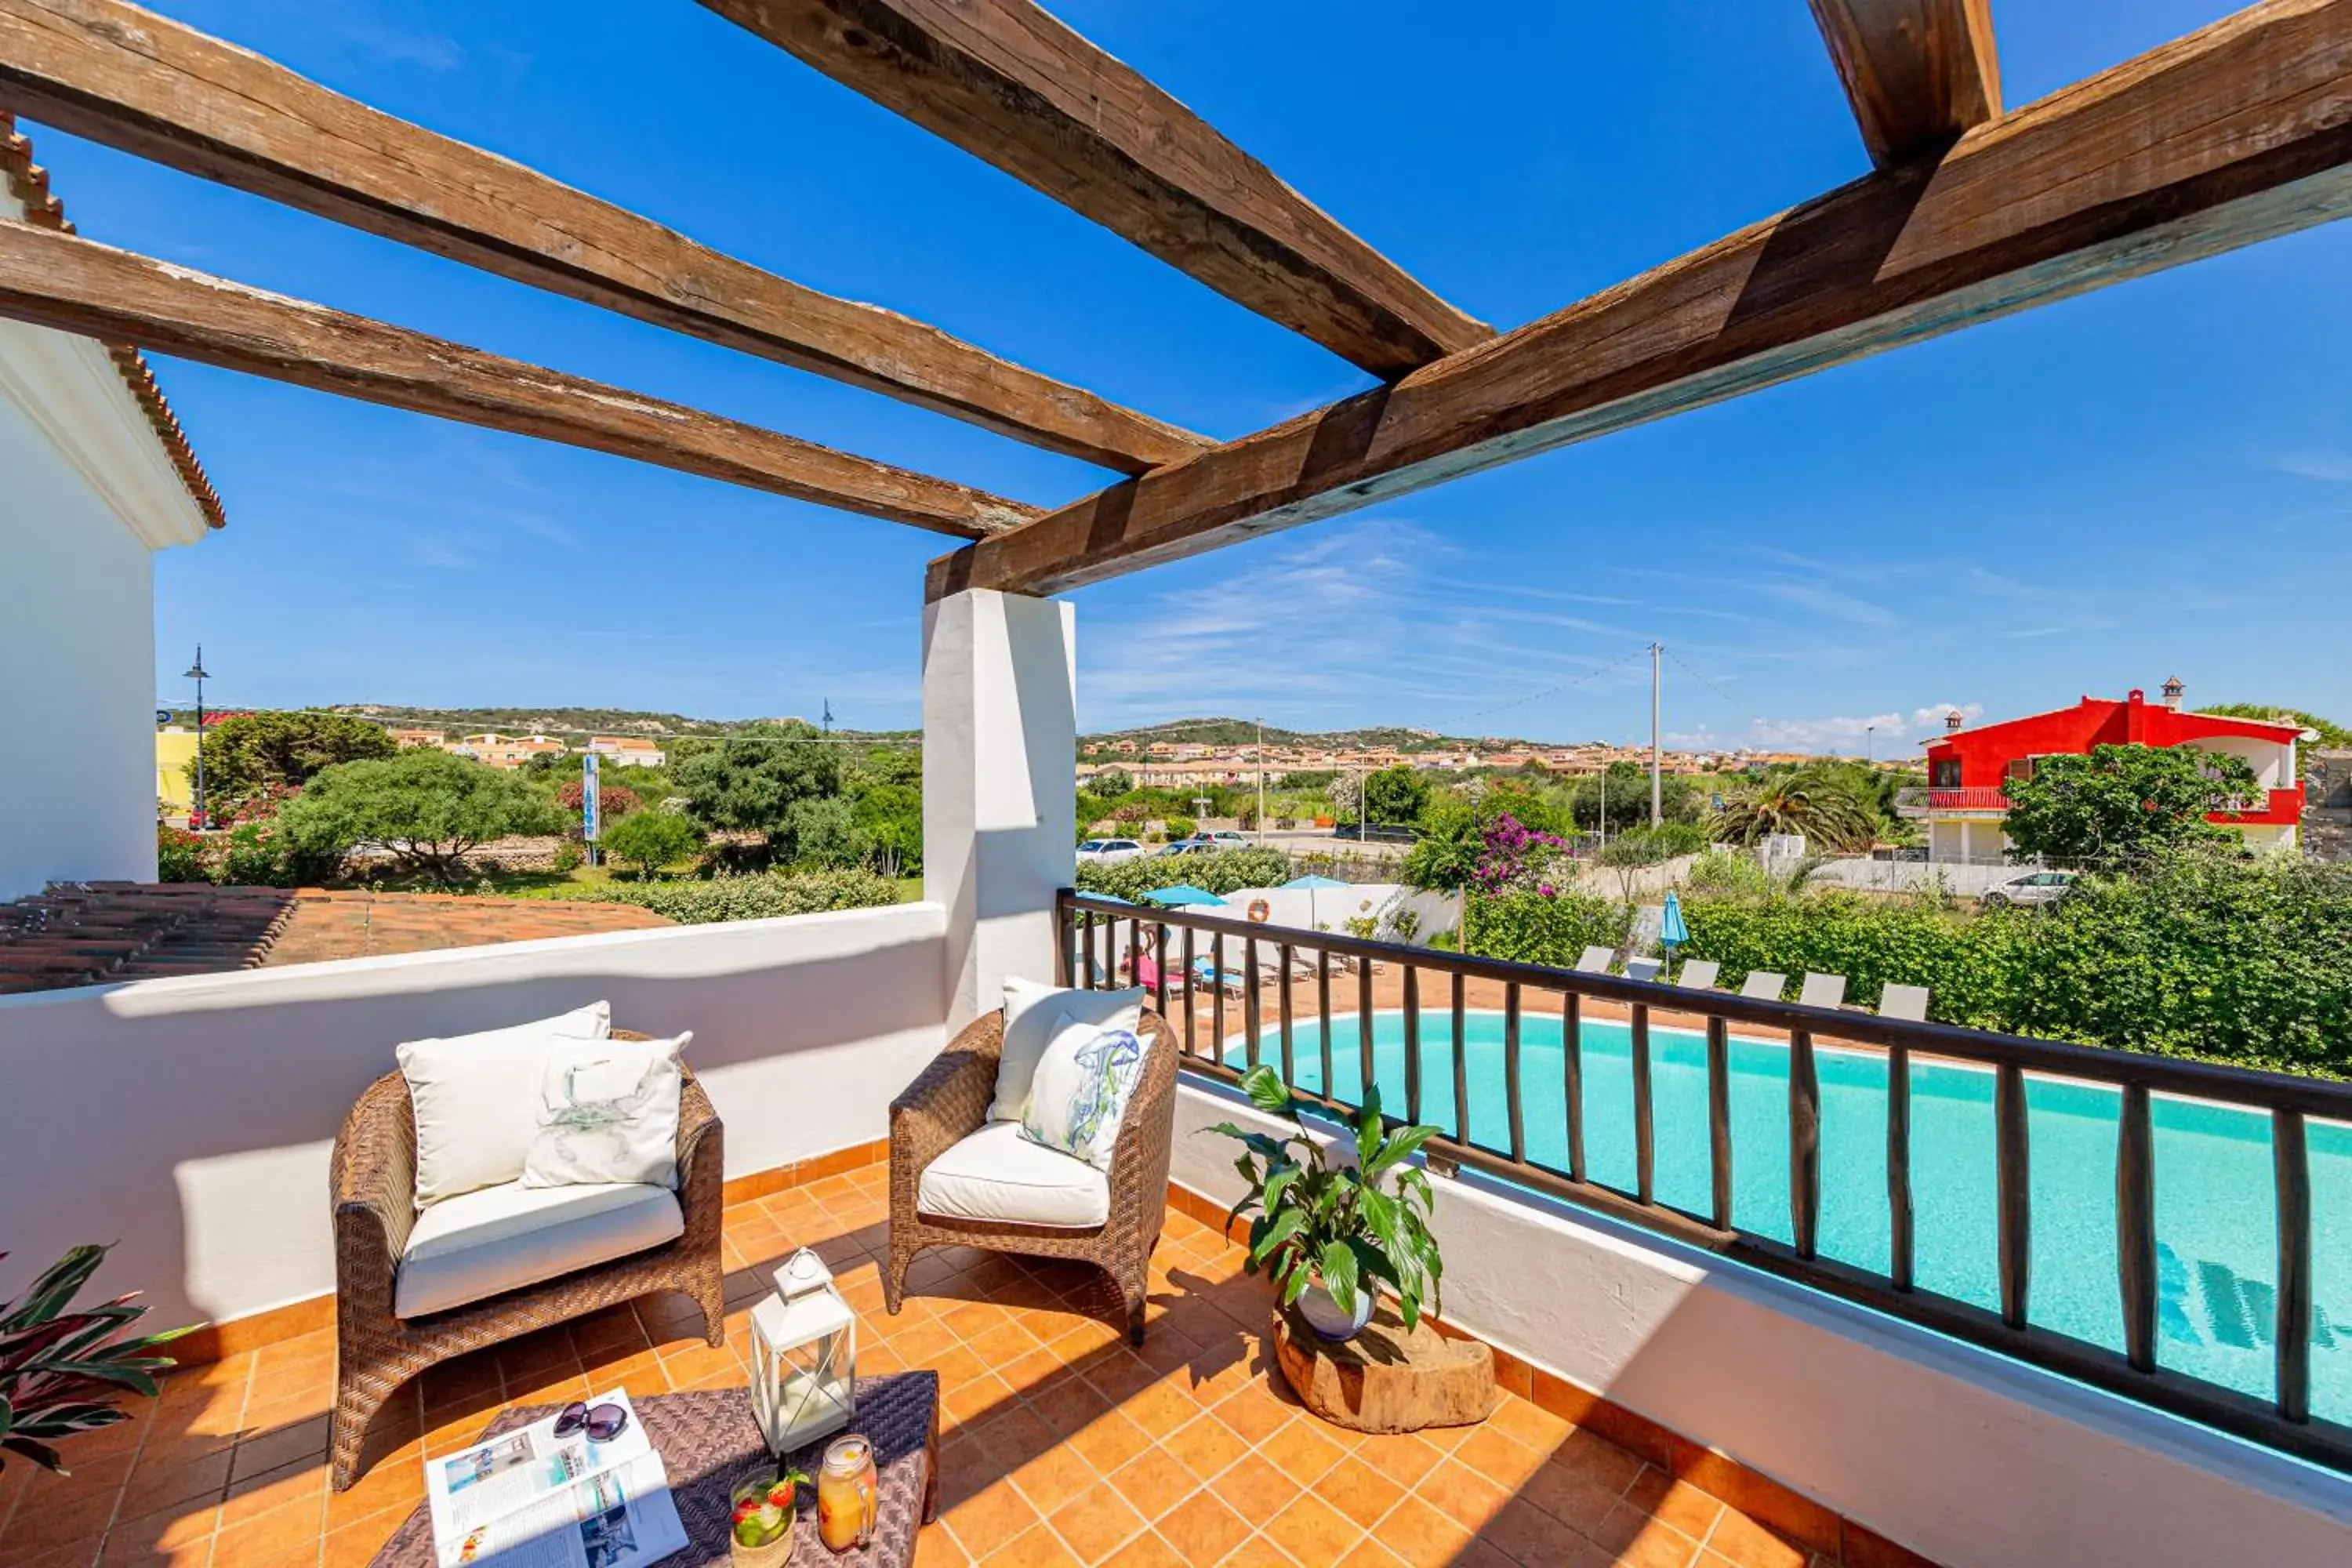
point(1258, 1552)
point(1255, 1490)
point(1110, 1441)
point(1402, 1457)
point(1744, 1544)
point(1153, 1482)
point(1055, 1476)
point(1370, 1553)
point(1201, 1529)
point(1253, 1414)
point(988, 1518)
point(1146, 1551)
point(1303, 1451)
point(1357, 1490)
point(1470, 1497)
point(1037, 1547)
point(1205, 1447)
point(1096, 1522)
point(1161, 1409)
point(1501, 1460)
point(1422, 1536)
point(1313, 1530)
point(1526, 1535)
point(1673, 1503)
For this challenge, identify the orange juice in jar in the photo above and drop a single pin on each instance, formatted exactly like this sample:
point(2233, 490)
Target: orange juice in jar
point(846, 1494)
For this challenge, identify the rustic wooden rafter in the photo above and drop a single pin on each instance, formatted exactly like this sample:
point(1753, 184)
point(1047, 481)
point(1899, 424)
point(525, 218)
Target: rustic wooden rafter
point(2236, 134)
point(55, 279)
point(1009, 83)
point(129, 77)
point(1917, 72)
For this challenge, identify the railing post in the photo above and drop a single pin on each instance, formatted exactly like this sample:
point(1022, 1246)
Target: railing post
point(1804, 1143)
point(1369, 1064)
point(1282, 978)
point(1461, 1068)
point(2014, 1177)
point(1901, 1247)
point(1159, 969)
point(1411, 1042)
point(1217, 996)
point(2136, 1268)
point(1192, 998)
point(1718, 1117)
point(1571, 1041)
point(2291, 1171)
point(1066, 950)
point(1249, 998)
point(1645, 1151)
point(1323, 1012)
point(1511, 1072)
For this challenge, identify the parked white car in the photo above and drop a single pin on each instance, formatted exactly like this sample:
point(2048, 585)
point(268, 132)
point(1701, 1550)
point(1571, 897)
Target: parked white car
point(1107, 851)
point(2033, 888)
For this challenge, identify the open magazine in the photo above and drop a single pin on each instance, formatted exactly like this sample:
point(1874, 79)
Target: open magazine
point(529, 1498)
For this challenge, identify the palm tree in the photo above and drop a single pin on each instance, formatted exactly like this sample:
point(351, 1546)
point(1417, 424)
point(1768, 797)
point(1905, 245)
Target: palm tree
point(1827, 811)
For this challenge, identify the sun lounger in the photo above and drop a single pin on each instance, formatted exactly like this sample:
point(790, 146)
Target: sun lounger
point(1644, 968)
point(1763, 985)
point(1822, 991)
point(1594, 960)
point(1698, 973)
point(1205, 978)
point(1904, 1002)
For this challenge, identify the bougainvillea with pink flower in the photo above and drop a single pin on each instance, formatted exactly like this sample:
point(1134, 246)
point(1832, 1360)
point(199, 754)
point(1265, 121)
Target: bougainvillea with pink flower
point(1516, 857)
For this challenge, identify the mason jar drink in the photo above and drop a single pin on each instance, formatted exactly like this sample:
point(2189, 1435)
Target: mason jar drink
point(847, 1494)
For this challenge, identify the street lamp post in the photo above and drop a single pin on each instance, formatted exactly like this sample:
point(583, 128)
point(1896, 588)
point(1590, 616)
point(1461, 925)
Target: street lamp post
point(197, 673)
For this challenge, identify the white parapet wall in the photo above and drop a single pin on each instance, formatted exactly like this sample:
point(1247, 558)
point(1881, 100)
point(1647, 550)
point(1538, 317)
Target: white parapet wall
point(1966, 1457)
point(191, 1120)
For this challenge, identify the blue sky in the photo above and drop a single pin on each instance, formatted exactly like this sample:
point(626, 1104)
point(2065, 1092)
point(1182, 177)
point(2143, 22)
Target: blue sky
point(2151, 481)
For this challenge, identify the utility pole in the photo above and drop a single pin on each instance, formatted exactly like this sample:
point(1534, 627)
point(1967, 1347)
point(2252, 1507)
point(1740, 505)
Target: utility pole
point(1657, 813)
point(828, 715)
point(1261, 781)
point(197, 674)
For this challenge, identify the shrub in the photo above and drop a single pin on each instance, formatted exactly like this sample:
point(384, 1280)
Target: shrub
point(1182, 828)
point(430, 808)
point(1219, 872)
point(762, 896)
point(261, 855)
point(650, 840)
point(248, 756)
point(1531, 928)
point(179, 856)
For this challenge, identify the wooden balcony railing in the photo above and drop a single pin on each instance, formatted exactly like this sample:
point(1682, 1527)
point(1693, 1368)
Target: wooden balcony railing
point(1090, 931)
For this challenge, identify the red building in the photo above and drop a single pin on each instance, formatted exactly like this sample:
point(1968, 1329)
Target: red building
point(1963, 804)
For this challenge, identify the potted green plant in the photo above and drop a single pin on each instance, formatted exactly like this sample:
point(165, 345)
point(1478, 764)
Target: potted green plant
point(61, 1371)
point(1331, 1236)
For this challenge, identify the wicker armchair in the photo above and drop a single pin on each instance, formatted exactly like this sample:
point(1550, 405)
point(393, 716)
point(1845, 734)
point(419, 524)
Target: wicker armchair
point(374, 1185)
point(948, 1102)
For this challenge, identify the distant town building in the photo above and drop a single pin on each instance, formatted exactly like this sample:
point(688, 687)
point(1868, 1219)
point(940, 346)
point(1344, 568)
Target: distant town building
point(1969, 770)
point(629, 751)
point(507, 750)
point(407, 738)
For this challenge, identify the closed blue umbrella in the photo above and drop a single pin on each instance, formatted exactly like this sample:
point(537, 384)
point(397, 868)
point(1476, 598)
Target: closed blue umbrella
point(1314, 886)
point(1671, 929)
point(1181, 894)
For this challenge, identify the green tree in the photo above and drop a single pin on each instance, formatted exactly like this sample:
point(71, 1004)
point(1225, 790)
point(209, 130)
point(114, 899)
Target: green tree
point(649, 840)
point(2123, 801)
point(247, 757)
point(1624, 787)
point(1112, 783)
point(429, 808)
point(752, 780)
point(890, 815)
point(822, 831)
point(1827, 809)
point(1394, 798)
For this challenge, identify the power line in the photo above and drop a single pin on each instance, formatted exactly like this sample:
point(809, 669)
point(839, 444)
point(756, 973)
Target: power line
point(1549, 691)
point(1728, 701)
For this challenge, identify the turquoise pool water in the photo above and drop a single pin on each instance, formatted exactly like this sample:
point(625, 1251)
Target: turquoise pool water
point(2215, 1220)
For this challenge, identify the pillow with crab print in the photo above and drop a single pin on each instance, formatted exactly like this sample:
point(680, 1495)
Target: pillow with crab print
point(1084, 1077)
point(608, 1112)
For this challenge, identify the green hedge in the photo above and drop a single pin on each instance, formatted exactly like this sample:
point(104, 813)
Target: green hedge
point(2203, 956)
point(761, 896)
point(1219, 872)
point(1529, 928)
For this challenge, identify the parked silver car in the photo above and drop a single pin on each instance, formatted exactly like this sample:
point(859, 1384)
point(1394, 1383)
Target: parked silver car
point(2033, 888)
point(1107, 851)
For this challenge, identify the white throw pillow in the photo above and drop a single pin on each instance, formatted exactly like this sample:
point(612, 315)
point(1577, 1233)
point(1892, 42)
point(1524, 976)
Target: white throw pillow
point(476, 1099)
point(607, 1112)
point(1031, 1014)
point(1079, 1095)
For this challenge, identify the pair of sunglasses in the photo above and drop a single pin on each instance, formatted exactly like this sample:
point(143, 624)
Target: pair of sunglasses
point(602, 1423)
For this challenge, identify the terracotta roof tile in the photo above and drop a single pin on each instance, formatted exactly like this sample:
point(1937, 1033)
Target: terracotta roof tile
point(30, 182)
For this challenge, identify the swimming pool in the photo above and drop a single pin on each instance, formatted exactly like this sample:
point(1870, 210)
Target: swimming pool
point(2214, 1217)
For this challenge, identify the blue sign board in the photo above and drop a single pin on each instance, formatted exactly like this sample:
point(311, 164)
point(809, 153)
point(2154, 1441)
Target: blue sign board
point(589, 823)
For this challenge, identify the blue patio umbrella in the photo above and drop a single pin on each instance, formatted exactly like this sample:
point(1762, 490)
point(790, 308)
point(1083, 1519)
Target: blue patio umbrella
point(1181, 894)
point(1671, 929)
point(1314, 885)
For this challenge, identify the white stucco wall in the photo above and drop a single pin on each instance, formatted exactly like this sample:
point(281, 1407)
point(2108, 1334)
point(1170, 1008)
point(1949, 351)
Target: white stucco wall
point(90, 495)
point(193, 1117)
point(1000, 803)
point(1973, 1459)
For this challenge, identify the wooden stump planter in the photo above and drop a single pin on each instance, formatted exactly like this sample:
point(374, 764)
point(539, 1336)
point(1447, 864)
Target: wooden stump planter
point(1388, 1378)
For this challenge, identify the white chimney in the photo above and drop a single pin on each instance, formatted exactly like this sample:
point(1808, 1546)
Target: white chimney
point(2172, 690)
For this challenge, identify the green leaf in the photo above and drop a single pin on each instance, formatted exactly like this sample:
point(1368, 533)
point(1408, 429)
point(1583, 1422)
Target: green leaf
point(1294, 1286)
point(1267, 1091)
point(1402, 1145)
point(1281, 1182)
point(1281, 1229)
point(57, 1286)
point(40, 1454)
point(1339, 1269)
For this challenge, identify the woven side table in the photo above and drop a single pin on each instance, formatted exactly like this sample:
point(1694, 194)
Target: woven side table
point(709, 1444)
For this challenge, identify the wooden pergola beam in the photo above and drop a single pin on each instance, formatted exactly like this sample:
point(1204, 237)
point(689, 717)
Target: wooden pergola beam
point(1007, 82)
point(124, 76)
point(1917, 72)
point(76, 285)
point(2236, 133)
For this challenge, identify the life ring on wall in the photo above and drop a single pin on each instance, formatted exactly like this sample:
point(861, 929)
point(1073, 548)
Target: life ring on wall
point(1260, 912)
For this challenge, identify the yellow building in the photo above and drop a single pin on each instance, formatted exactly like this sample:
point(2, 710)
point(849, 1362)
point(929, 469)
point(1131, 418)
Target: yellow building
point(175, 748)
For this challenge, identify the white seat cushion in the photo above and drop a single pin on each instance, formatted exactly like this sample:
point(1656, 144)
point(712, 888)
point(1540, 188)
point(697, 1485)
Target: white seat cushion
point(500, 1238)
point(1033, 1014)
point(476, 1099)
point(997, 1174)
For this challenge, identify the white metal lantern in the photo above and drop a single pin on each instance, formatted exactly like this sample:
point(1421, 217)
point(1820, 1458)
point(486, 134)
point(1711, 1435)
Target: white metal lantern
point(804, 1356)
